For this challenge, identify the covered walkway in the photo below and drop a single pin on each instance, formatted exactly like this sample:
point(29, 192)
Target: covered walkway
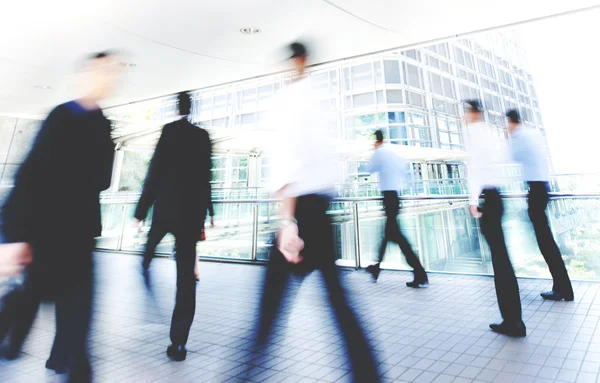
point(436, 334)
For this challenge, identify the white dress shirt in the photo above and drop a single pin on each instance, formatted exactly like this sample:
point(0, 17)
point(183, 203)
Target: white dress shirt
point(391, 167)
point(487, 154)
point(303, 150)
point(528, 150)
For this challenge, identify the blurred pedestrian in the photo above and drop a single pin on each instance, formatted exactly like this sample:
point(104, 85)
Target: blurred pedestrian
point(177, 186)
point(527, 150)
point(392, 169)
point(303, 174)
point(54, 212)
point(487, 155)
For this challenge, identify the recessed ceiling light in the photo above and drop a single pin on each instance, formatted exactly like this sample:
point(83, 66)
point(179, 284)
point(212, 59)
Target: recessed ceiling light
point(126, 64)
point(250, 30)
point(41, 86)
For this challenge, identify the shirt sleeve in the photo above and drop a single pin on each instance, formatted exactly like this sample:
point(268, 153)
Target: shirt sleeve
point(374, 164)
point(475, 165)
point(19, 213)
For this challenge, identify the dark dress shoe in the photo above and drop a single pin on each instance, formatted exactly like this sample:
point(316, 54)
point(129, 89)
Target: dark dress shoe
point(82, 373)
point(418, 282)
point(516, 330)
point(554, 296)
point(177, 352)
point(10, 353)
point(53, 365)
point(374, 270)
point(146, 275)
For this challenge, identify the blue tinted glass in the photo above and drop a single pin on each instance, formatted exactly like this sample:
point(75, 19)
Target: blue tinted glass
point(396, 117)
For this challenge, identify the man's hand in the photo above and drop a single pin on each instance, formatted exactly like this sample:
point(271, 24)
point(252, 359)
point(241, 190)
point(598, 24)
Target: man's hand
point(138, 225)
point(202, 235)
point(290, 244)
point(212, 221)
point(474, 212)
point(14, 257)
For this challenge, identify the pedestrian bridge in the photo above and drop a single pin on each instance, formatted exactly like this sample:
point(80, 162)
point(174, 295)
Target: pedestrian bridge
point(435, 334)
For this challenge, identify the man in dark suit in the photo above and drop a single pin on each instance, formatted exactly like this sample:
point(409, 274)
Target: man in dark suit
point(53, 212)
point(177, 183)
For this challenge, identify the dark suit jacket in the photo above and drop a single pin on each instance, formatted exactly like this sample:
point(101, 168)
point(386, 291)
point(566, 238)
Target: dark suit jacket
point(178, 178)
point(56, 191)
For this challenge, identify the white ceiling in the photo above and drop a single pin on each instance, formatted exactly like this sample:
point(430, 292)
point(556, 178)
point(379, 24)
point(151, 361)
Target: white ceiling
point(188, 44)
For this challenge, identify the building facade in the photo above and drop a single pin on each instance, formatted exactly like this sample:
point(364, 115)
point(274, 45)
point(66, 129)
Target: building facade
point(414, 96)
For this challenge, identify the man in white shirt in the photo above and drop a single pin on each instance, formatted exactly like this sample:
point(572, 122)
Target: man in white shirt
point(391, 168)
point(303, 175)
point(527, 150)
point(487, 154)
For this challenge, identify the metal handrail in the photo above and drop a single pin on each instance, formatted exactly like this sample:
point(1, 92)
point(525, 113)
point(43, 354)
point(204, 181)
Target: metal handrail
point(453, 197)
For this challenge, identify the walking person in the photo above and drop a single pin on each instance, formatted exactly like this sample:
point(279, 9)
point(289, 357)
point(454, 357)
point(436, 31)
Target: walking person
point(211, 213)
point(176, 184)
point(391, 168)
point(527, 150)
point(304, 172)
point(487, 155)
point(73, 151)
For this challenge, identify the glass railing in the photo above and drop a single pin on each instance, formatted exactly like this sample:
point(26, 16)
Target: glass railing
point(440, 228)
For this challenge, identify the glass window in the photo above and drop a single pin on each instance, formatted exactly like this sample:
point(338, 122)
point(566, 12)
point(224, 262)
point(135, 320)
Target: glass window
point(451, 108)
point(442, 123)
point(442, 49)
point(433, 62)
point(395, 96)
point(458, 56)
point(448, 87)
point(249, 98)
point(452, 126)
point(399, 133)
point(412, 53)
point(249, 118)
point(414, 75)
point(444, 138)
point(363, 99)
point(436, 83)
point(455, 139)
point(347, 82)
point(380, 99)
point(220, 123)
point(378, 72)
point(469, 61)
point(417, 99)
point(418, 118)
point(362, 76)
point(445, 67)
point(396, 117)
point(392, 72)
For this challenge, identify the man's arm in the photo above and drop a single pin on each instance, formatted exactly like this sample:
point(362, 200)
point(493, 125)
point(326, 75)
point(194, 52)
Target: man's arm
point(107, 159)
point(21, 207)
point(152, 182)
point(288, 241)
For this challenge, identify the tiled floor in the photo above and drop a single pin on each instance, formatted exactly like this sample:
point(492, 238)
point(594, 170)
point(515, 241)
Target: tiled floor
point(438, 334)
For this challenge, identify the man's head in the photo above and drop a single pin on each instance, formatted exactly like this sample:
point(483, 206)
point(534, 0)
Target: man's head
point(100, 75)
point(514, 119)
point(473, 111)
point(184, 104)
point(299, 56)
point(378, 138)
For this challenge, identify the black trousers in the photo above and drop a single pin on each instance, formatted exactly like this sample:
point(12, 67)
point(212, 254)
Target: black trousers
point(507, 288)
point(62, 273)
point(316, 230)
point(538, 202)
point(185, 257)
point(392, 233)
